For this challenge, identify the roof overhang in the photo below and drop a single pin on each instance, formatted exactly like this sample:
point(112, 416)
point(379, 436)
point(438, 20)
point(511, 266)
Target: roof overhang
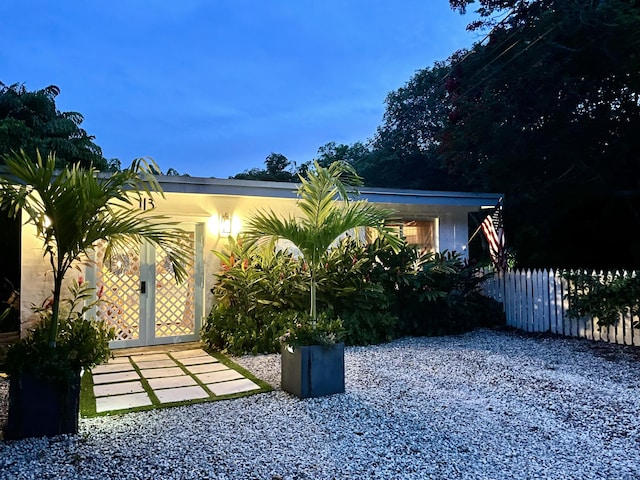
point(251, 188)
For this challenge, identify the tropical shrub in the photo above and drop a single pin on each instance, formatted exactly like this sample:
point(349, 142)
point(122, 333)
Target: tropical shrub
point(81, 341)
point(255, 290)
point(438, 294)
point(261, 293)
point(323, 220)
point(347, 286)
point(301, 330)
point(377, 292)
point(606, 296)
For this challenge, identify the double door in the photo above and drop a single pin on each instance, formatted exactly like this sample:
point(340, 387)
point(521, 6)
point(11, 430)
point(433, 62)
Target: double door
point(141, 299)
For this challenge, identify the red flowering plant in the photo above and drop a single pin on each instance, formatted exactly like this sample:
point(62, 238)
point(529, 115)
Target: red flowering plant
point(82, 342)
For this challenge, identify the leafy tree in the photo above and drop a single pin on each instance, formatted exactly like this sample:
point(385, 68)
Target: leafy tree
point(74, 208)
point(406, 146)
point(333, 152)
point(545, 109)
point(277, 169)
point(30, 121)
point(548, 112)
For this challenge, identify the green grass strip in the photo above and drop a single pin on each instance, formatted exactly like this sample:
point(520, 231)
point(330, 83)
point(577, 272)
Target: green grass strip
point(88, 400)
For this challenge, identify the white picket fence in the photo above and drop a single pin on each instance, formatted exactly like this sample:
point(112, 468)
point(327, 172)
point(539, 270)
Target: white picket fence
point(534, 301)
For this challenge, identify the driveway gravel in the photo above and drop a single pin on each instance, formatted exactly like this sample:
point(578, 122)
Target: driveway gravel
point(484, 405)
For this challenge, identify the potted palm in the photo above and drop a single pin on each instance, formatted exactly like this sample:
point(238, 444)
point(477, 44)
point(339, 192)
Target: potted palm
point(72, 209)
point(312, 361)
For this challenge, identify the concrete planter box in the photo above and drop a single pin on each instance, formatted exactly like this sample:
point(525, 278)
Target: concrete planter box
point(37, 408)
point(313, 370)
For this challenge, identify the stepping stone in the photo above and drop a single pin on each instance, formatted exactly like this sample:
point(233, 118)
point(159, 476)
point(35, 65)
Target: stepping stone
point(180, 394)
point(122, 402)
point(232, 386)
point(119, 360)
point(117, 388)
point(162, 372)
point(149, 357)
point(112, 368)
point(156, 364)
point(189, 353)
point(115, 377)
point(221, 376)
point(171, 382)
point(206, 367)
point(197, 360)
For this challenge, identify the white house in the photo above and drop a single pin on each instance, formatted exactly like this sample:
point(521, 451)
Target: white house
point(148, 308)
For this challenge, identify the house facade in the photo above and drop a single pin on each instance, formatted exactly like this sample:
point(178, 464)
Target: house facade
point(143, 302)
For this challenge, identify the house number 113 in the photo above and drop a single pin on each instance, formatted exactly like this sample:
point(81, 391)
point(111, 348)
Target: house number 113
point(147, 203)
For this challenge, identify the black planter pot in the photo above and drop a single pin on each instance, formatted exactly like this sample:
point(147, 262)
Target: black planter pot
point(313, 370)
point(39, 408)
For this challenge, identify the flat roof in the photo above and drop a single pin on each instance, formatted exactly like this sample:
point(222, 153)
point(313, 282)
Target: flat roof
point(253, 188)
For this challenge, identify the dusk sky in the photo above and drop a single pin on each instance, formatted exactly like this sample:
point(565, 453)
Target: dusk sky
point(211, 87)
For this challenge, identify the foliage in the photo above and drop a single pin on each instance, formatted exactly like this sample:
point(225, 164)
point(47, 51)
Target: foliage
point(606, 296)
point(278, 168)
point(30, 121)
point(9, 308)
point(348, 288)
point(406, 146)
point(236, 332)
point(559, 138)
point(259, 278)
point(303, 330)
point(81, 342)
point(257, 288)
point(260, 291)
point(74, 208)
point(379, 293)
point(463, 307)
point(544, 109)
point(437, 294)
point(323, 220)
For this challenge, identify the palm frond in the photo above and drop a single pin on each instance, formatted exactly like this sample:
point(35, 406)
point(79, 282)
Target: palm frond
point(74, 208)
point(327, 213)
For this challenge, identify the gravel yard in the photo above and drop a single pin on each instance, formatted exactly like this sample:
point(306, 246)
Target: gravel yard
point(484, 405)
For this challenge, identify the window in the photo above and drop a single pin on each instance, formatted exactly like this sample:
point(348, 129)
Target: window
point(418, 233)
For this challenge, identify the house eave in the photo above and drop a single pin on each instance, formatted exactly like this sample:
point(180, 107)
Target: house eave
point(252, 188)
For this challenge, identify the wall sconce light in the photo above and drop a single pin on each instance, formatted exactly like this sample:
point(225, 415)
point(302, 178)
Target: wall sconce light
point(225, 224)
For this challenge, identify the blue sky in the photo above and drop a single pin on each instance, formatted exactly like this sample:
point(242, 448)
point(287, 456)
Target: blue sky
point(211, 87)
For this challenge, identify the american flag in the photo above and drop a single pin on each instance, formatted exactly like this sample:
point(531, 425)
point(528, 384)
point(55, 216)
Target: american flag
point(493, 230)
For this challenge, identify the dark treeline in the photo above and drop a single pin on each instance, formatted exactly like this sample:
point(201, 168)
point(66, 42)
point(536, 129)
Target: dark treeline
point(545, 109)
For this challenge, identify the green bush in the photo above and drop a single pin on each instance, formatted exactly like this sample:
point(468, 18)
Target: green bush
point(378, 293)
point(348, 287)
point(260, 291)
point(606, 296)
point(81, 342)
point(438, 294)
point(238, 333)
point(256, 291)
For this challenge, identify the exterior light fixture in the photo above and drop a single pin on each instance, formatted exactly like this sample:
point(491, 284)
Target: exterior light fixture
point(225, 224)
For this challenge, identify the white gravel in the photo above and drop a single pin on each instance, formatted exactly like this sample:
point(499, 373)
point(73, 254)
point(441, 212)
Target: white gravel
point(484, 405)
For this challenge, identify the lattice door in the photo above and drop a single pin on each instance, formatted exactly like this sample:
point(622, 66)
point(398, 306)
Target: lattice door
point(174, 304)
point(141, 298)
point(118, 283)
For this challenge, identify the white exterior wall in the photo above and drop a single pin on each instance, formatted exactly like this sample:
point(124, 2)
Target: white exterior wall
point(36, 277)
point(453, 231)
point(207, 210)
point(451, 234)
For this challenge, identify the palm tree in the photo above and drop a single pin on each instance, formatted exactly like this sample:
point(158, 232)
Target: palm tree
point(327, 213)
point(74, 208)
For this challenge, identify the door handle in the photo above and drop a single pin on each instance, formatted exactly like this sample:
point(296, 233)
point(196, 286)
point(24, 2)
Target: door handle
point(143, 287)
